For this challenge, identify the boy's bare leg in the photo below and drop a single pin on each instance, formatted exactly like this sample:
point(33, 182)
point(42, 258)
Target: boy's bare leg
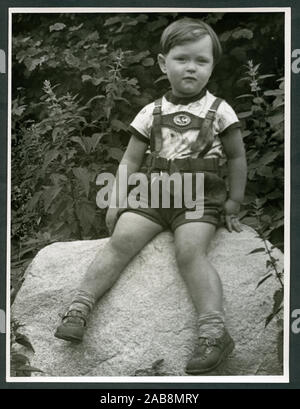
point(132, 232)
point(204, 285)
point(202, 280)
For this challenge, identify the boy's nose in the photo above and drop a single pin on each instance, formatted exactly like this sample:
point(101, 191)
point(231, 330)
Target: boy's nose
point(191, 66)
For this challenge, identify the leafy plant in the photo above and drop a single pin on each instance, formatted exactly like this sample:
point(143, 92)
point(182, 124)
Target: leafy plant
point(156, 369)
point(20, 363)
point(272, 271)
point(264, 139)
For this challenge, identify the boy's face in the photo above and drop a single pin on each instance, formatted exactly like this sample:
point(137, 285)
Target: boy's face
point(188, 66)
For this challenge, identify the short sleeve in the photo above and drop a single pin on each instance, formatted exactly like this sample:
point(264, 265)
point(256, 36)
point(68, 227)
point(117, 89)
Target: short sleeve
point(142, 123)
point(225, 118)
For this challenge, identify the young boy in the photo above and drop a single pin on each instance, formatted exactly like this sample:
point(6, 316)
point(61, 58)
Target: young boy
point(188, 130)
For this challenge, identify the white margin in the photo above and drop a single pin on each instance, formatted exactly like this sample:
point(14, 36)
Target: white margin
point(287, 172)
point(287, 188)
point(8, 190)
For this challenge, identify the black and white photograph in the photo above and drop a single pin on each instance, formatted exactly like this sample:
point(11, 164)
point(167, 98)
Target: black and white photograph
point(148, 195)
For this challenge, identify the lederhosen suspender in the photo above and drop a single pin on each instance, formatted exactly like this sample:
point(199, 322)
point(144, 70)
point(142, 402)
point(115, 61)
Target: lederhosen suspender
point(156, 133)
point(156, 136)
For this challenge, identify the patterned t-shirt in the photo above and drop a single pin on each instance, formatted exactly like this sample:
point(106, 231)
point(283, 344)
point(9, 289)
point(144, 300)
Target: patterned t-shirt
point(176, 144)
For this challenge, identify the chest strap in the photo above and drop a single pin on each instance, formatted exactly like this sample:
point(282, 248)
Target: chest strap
point(157, 163)
point(204, 138)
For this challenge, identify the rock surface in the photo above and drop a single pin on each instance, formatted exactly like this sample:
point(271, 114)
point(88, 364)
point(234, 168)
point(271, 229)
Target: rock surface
point(148, 316)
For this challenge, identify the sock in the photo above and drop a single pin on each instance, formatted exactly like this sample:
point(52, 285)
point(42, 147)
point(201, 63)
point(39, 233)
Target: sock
point(83, 302)
point(211, 324)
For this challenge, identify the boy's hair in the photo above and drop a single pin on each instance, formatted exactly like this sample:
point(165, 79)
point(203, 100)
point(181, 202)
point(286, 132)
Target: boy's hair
point(188, 29)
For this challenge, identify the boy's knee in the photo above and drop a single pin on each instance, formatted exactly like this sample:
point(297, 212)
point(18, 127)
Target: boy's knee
point(186, 255)
point(121, 243)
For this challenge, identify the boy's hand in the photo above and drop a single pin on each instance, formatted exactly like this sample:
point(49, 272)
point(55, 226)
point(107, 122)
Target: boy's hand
point(110, 218)
point(232, 209)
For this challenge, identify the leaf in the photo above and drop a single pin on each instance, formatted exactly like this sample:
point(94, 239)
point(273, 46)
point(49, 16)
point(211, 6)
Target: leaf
point(258, 250)
point(280, 346)
point(49, 157)
point(93, 37)
point(95, 139)
point(84, 178)
point(75, 28)
point(267, 158)
point(157, 364)
point(49, 194)
point(58, 178)
point(118, 125)
point(276, 119)
point(277, 306)
point(278, 298)
point(245, 114)
point(19, 358)
point(19, 110)
point(57, 27)
point(23, 340)
point(278, 102)
point(264, 279)
point(86, 78)
point(225, 36)
point(239, 53)
point(243, 33)
point(271, 316)
point(258, 100)
point(160, 22)
point(94, 99)
point(31, 64)
point(115, 153)
point(28, 249)
point(97, 81)
point(275, 194)
point(161, 78)
point(246, 133)
point(80, 141)
point(245, 95)
point(265, 171)
point(28, 368)
point(274, 92)
point(72, 60)
point(86, 213)
point(34, 200)
point(262, 77)
point(112, 20)
point(138, 57)
point(148, 62)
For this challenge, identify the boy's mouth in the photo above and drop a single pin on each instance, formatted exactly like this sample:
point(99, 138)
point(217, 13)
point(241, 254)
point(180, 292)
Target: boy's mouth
point(190, 78)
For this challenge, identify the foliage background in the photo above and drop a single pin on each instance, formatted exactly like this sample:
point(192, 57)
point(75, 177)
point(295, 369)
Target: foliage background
point(79, 80)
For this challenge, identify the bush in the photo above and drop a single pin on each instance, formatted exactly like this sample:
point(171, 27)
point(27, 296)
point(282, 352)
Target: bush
point(79, 80)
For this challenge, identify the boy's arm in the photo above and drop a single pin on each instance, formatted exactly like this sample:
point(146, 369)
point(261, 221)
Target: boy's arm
point(237, 174)
point(132, 159)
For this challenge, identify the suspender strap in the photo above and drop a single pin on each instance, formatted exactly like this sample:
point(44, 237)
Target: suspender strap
point(156, 136)
point(205, 131)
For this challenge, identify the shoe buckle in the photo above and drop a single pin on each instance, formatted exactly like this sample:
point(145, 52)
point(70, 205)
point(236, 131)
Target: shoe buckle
point(209, 342)
point(73, 314)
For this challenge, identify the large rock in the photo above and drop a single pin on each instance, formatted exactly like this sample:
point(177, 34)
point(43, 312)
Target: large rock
point(148, 316)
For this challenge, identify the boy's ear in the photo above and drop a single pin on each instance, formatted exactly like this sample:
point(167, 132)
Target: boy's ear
point(162, 62)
